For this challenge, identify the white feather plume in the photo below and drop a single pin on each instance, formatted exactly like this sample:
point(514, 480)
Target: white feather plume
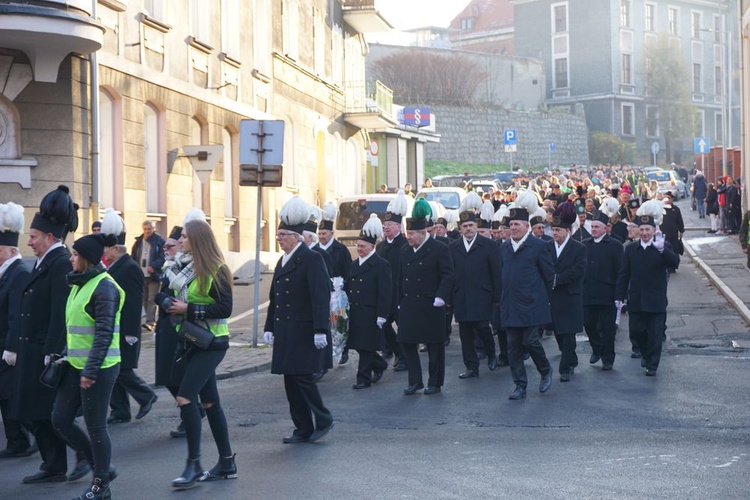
point(652, 208)
point(471, 203)
point(194, 214)
point(112, 223)
point(11, 218)
point(434, 208)
point(487, 211)
point(576, 224)
point(316, 214)
point(500, 213)
point(373, 227)
point(539, 212)
point(398, 205)
point(610, 206)
point(294, 211)
point(527, 200)
point(450, 216)
point(329, 211)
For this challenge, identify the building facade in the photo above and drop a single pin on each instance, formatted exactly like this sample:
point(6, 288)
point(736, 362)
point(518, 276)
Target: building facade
point(104, 96)
point(594, 53)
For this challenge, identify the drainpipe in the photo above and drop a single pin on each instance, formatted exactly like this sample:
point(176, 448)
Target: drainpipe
point(94, 101)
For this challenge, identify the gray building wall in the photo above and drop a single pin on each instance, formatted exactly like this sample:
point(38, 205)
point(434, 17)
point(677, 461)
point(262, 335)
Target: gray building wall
point(476, 136)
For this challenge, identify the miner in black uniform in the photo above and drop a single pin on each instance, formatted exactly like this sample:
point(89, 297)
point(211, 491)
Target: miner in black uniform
point(426, 276)
point(603, 260)
point(476, 289)
point(390, 250)
point(643, 281)
point(369, 290)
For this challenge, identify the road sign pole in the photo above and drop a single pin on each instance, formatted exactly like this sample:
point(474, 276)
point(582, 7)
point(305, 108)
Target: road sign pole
point(258, 209)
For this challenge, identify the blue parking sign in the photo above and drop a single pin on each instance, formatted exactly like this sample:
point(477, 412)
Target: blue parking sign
point(510, 137)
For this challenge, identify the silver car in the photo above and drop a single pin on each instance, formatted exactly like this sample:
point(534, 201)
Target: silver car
point(668, 181)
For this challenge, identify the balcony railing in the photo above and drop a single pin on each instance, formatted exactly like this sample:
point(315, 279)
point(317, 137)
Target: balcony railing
point(358, 4)
point(371, 96)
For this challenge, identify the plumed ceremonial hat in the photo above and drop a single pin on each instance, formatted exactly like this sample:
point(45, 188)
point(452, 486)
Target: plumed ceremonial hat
point(329, 214)
point(650, 213)
point(57, 215)
point(11, 224)
point(372, 230)
point(114, 225)
point(419, 215)
point(397, 208)
point(293, 215)
point(564, 215)
point(526, 203)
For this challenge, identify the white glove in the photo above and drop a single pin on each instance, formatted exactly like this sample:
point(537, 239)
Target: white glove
point(9, 358)
point(268, 338)
point(130, 339)
point(438, 302)
point(380, 322)
point(47, 359)
point(659, 241)
point(320, 340)
point(619, 304)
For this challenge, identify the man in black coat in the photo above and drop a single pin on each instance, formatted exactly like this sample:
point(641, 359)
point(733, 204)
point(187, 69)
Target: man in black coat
point(603, 261)
point(297, 325)
point(126, 273)
point(643, 281)
point(527, 273)
point(148, 253)
point(569, 259)
point(390, 249)
point(672, 225)
point(425, 281)
point(13, 272)
point(476, 289)
point(41, 333)
point(369, 290)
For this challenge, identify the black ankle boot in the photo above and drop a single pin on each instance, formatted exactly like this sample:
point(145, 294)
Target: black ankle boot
point(99, 490)
point(224, 469)
point(193, 472)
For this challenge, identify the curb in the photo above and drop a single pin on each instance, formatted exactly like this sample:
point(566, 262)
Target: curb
point(244, 371)
point(722, 287)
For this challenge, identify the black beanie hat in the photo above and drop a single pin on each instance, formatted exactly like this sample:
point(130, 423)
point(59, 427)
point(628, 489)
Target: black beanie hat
point(91, 246)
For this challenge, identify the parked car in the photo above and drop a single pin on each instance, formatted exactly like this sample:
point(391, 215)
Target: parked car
point(668, 181)
point(486, 185)
point(505, 179)
point(449, 197)
point(354, 212)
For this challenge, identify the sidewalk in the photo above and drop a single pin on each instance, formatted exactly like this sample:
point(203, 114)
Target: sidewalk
point(241, 357)
point(720, 258)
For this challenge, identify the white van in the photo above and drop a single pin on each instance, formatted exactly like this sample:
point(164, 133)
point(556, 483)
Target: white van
point(356, 209)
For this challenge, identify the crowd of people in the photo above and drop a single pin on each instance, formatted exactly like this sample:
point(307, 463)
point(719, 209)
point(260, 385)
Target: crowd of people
point(70, 329)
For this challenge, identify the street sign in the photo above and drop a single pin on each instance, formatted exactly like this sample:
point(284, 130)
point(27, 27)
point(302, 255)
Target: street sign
point(552, 147)
point(510, 141)
point(415, 117)
point(655, 148)
point(702, 145)
point(272, 141)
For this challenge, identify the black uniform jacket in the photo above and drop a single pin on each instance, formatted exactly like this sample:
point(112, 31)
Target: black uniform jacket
point(341, 259)
point(299, 308)
point(369, 290)
point(424, 275)
point(477, 284)
point(643, 277)
point(567, 287)
point(603, 261)
point(128, 275)
point(10, 315)
point(392, 253)
point(526, 282)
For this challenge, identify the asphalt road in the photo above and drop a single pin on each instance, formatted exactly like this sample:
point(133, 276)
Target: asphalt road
point(683, 434)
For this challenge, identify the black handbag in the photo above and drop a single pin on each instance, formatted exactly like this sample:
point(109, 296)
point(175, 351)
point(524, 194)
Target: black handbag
point(195, 334)
point(53, 373)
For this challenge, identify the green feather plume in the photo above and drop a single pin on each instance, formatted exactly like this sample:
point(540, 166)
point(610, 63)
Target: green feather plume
point(421, 209)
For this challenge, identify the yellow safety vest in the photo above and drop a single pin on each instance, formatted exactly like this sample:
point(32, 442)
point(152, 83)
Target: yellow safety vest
point(81, 327)
point(219, 327)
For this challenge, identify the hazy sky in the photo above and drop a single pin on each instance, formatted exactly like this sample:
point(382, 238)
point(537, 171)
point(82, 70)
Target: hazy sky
point(407, 14)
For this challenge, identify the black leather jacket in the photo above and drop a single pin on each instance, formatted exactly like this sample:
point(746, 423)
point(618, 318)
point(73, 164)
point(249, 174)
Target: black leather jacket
point(103, 308)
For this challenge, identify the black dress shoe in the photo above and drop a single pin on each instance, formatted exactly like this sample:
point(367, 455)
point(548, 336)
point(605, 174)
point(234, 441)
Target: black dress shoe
point(45, 477)
point(469, 374)
point(376, 376)
point(546, 382)
point(361, 385)
point(193, 472)
point(502, 362)
point(319, 434)
point(606, 366)
point(518, 393)
point(226, 468)
point(294, 439)
point(146, 408)
point(594, 358)
point(492, 363)
point(117, 420)
point(650, 373)
point(344, 357)
point(564, 377)
point(412, 389)
point(82, 468)
point(432, 390)
point(400, 367)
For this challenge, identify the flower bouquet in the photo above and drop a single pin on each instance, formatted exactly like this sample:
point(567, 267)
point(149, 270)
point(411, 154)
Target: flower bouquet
point(339, 317)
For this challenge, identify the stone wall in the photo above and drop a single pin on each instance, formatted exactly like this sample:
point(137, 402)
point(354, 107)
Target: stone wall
point(471, 135)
